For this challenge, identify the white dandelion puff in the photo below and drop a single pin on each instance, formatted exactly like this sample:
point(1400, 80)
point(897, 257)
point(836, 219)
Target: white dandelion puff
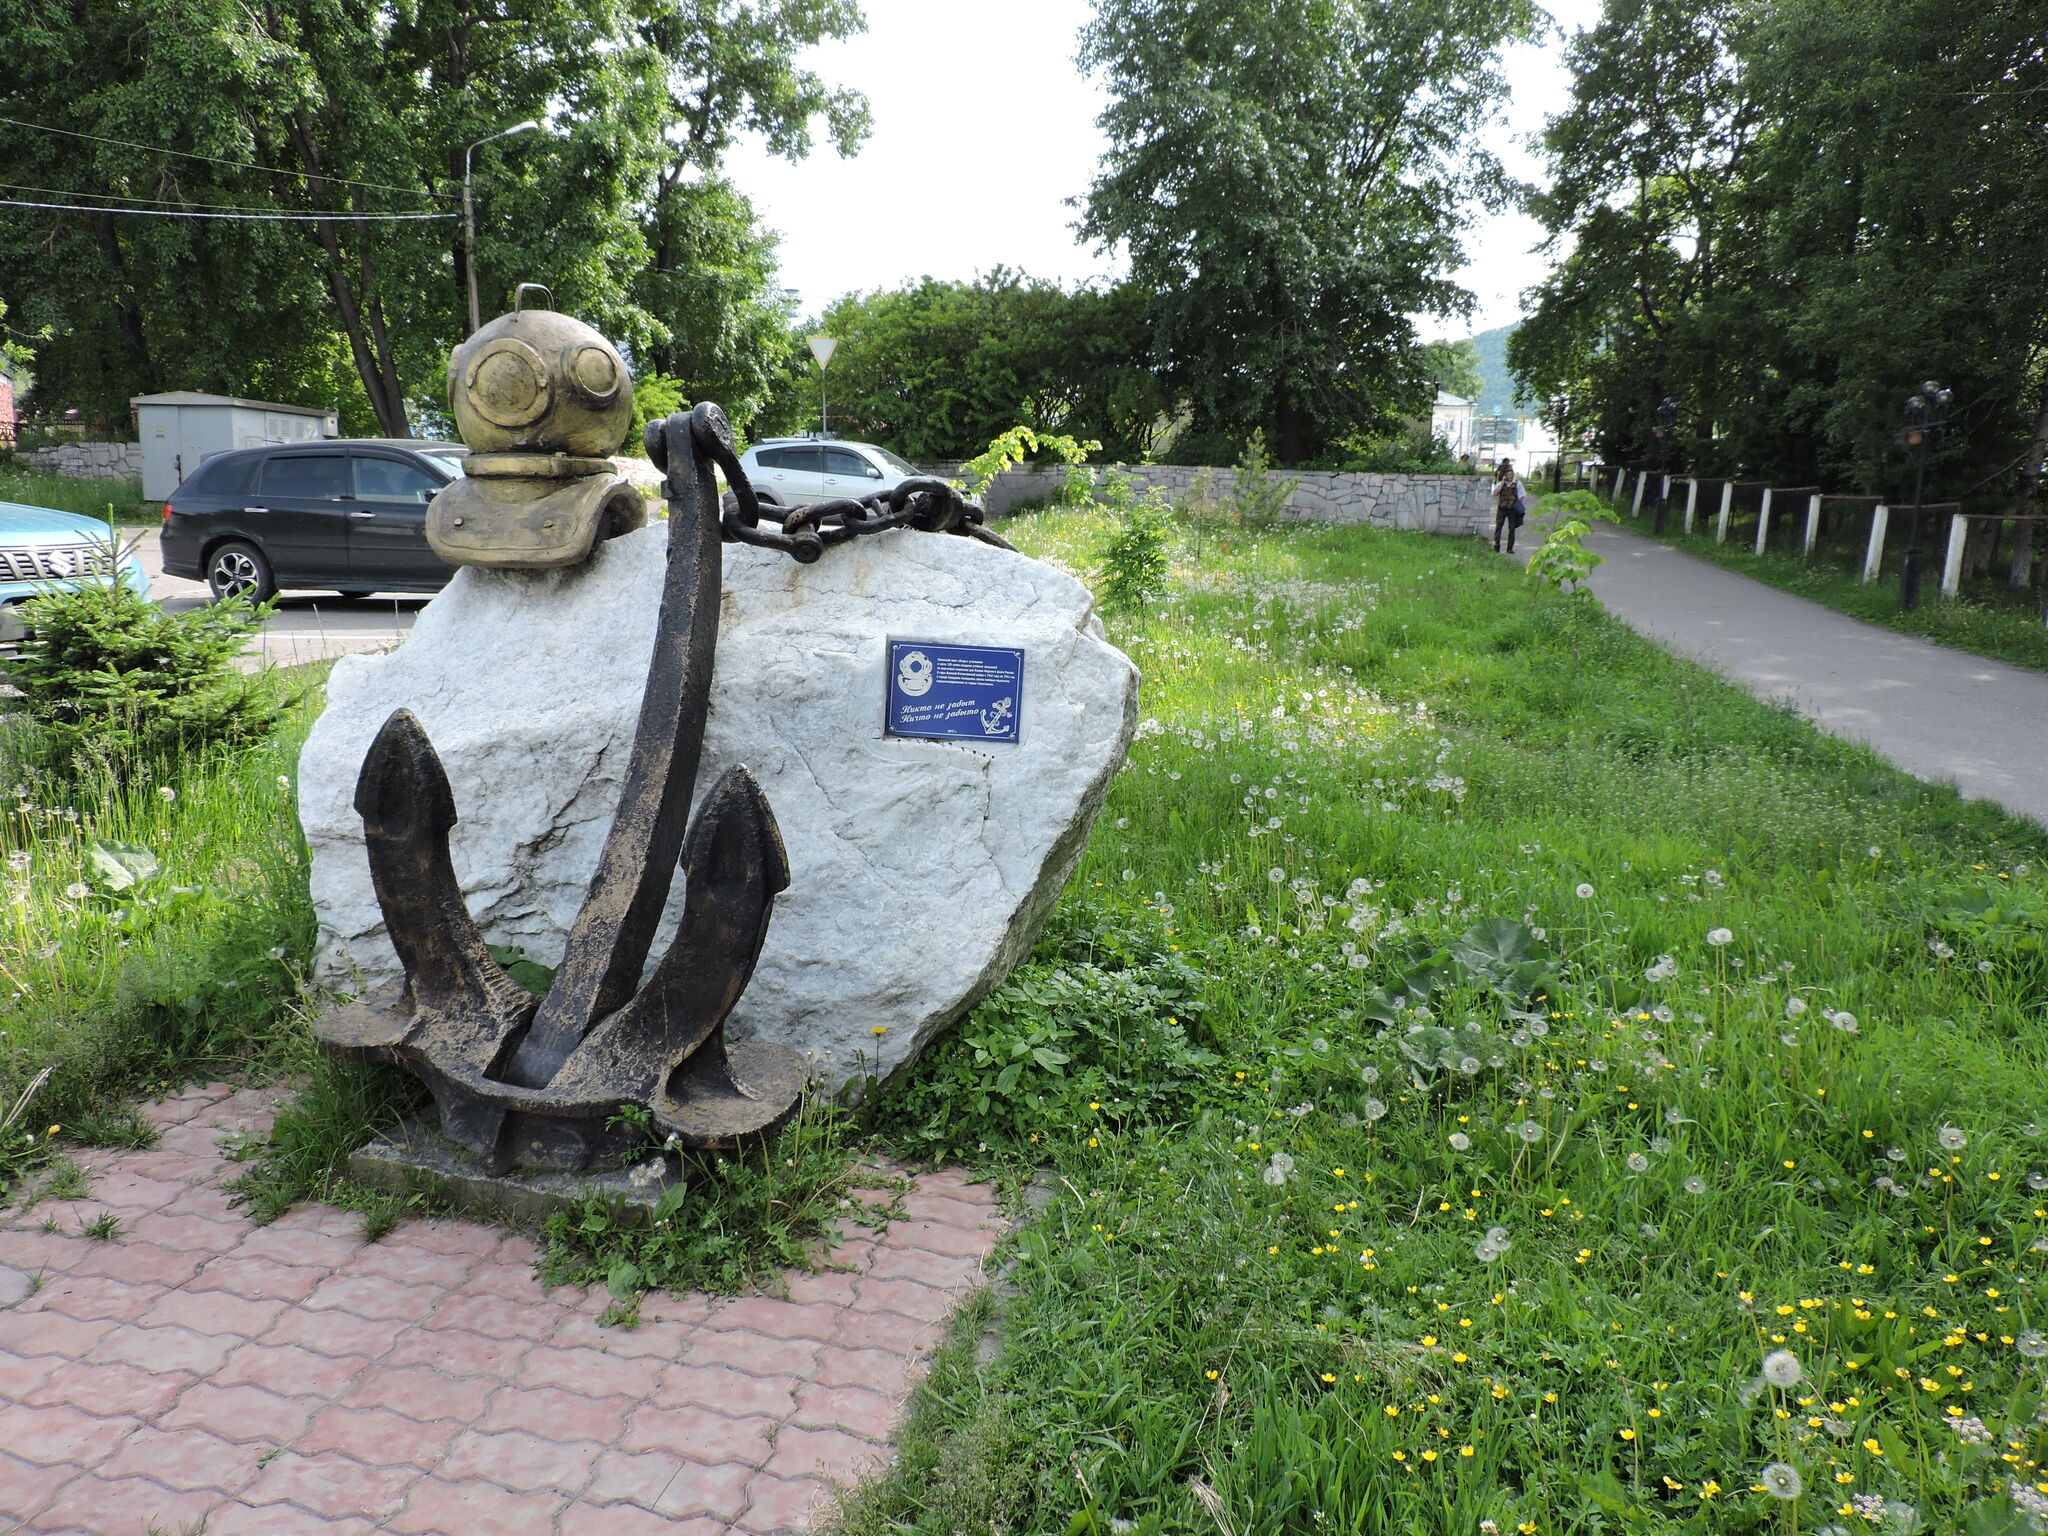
point(1781, 1368)
point(1781, 1481)
point(1719, 936)
point(1951, 1138)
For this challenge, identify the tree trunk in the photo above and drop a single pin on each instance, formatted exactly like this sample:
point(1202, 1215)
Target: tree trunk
point(2021, 574)
point(1287, 445)
point(129, 315)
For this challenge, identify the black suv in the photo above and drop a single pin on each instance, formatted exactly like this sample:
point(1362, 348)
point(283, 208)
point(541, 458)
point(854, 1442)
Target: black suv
point(349, 517)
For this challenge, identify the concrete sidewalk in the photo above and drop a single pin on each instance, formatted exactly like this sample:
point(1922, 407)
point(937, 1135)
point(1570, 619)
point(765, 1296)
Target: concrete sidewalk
point(1937, 713)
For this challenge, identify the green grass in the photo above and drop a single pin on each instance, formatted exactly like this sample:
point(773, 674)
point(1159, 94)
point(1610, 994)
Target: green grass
point(154, 929)
point(1987, 620)
point(114, 501)
point(1333, 911)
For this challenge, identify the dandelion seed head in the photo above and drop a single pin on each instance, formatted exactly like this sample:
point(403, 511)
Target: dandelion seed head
point(1781, 1368)
point(1781, 1481)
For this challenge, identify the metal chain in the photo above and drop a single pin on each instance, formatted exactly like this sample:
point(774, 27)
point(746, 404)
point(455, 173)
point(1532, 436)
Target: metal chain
point(924, 503)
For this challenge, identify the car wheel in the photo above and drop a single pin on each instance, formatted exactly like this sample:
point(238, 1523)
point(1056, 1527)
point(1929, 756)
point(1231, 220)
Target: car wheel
point(236, 569)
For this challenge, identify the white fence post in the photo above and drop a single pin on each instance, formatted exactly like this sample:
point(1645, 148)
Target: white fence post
point(1664, 492)
point(1952, 566)
point(1692, 502)
point(1763, 522)
point(1727, 506)
point(1873, 557)
point(1642, 479)
point(1812, 525)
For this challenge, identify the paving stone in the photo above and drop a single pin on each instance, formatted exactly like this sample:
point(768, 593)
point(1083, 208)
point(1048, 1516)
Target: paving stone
point(719, 1490)
point(885, 1330)
point(958, 1213)
point(98, 1504)
point(297, 1247)
point(167, 1349)
point(623, 1520)
point(330, 1485)
point(290, 1370)
point(700, 1434)
point(655, 1341)
point(111, 1389)
point(185, 1234)
point(34, 1334)
point(241, 1414)
point(943, 1272)
point(856, 1410)
point(258, 1279)
point(143, 1263)
point(830, 1453)
point(378, 1437)
point(26, 1487)
point(906, 1298)
point(455, 1352)
point(281, 1520)
point(94, 1297)
point(776, 1318)
point(215, 1312)
point(411, 1265)
point(20, 1375)
point(474, 1508)
point(590, 1372)
point(495, 1316)
point(372, 1296)
point(631, 1477)
point(419, 1392)
point(755, 1353)
point(185, 1458)
point(879, 1370)
point(55, 1433)
point(338, 1333)
point(520, 1460)
point(778, 1505)
point(558, 1414)
point(727, 1390)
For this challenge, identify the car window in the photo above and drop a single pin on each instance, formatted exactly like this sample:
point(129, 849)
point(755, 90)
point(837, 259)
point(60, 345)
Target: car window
point(302, 475)
point(227, 478)
point(804, 459)
point(393, 480)
point(897, 462)
point(839, 461)
point(448, 463)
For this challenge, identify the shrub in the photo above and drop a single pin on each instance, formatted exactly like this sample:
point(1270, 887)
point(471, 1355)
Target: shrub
point(112, 678)
point(1133, 558)
point(1260, 495)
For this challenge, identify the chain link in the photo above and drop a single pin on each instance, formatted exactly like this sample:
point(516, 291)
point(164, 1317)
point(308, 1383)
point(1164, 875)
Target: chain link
point(924, 503)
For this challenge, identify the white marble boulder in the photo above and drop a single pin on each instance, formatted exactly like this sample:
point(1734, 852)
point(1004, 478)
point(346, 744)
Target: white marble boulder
point(921, 871)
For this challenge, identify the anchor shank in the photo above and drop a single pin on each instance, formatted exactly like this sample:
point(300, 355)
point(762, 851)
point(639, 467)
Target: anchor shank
point(613, 932)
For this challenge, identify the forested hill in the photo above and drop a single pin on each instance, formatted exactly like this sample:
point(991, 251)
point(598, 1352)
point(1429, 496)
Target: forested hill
point(1497, 389)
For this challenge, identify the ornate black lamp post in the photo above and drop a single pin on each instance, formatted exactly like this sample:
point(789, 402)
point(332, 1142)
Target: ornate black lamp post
point(1560, 409)
point(1926, 414)
point(1667, 421)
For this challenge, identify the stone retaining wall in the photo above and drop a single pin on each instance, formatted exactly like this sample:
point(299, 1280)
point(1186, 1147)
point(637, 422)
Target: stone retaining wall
point(1459, 505)
point(87, 461)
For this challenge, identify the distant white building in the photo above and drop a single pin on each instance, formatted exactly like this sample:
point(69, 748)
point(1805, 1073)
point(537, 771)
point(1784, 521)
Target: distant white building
point(1451, 419)
point(181, 428)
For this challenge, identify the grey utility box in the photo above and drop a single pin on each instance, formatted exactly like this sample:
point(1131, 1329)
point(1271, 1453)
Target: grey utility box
point(179, 430)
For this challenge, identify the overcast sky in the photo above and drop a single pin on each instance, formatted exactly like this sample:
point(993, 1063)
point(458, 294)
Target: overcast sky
point(984, 128)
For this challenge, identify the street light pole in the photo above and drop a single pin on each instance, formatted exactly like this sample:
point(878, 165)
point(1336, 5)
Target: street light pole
point(469, 215)
point(1926, 413)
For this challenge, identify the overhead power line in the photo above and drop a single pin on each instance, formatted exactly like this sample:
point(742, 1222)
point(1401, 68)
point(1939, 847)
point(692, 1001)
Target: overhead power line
point(186, 213)
point(173, 203)
point(240, 165)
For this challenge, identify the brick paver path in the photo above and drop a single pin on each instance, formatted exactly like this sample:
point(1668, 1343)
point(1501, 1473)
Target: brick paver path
point(295, 1378)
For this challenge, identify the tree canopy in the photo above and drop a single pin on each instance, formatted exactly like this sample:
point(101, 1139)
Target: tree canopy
point(364, 113)
point(936, 369)
point(1785, 215)
point(1289, 177)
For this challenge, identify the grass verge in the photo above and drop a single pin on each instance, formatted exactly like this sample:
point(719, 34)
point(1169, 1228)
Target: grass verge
point(1497, 1078)
point(154, 930)
point(111, 501)
point(1987, 621)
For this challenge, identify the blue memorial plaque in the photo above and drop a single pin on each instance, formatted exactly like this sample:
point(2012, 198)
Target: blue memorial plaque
point(954, 692)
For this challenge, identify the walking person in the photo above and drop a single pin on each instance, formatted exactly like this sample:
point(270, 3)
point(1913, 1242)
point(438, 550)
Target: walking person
point(1508, 506)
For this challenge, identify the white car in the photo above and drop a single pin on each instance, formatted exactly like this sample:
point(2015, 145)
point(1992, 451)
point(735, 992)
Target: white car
point(795, 471)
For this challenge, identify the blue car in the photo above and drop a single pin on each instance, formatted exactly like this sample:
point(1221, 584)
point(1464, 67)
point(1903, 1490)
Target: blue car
point(42, 549)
